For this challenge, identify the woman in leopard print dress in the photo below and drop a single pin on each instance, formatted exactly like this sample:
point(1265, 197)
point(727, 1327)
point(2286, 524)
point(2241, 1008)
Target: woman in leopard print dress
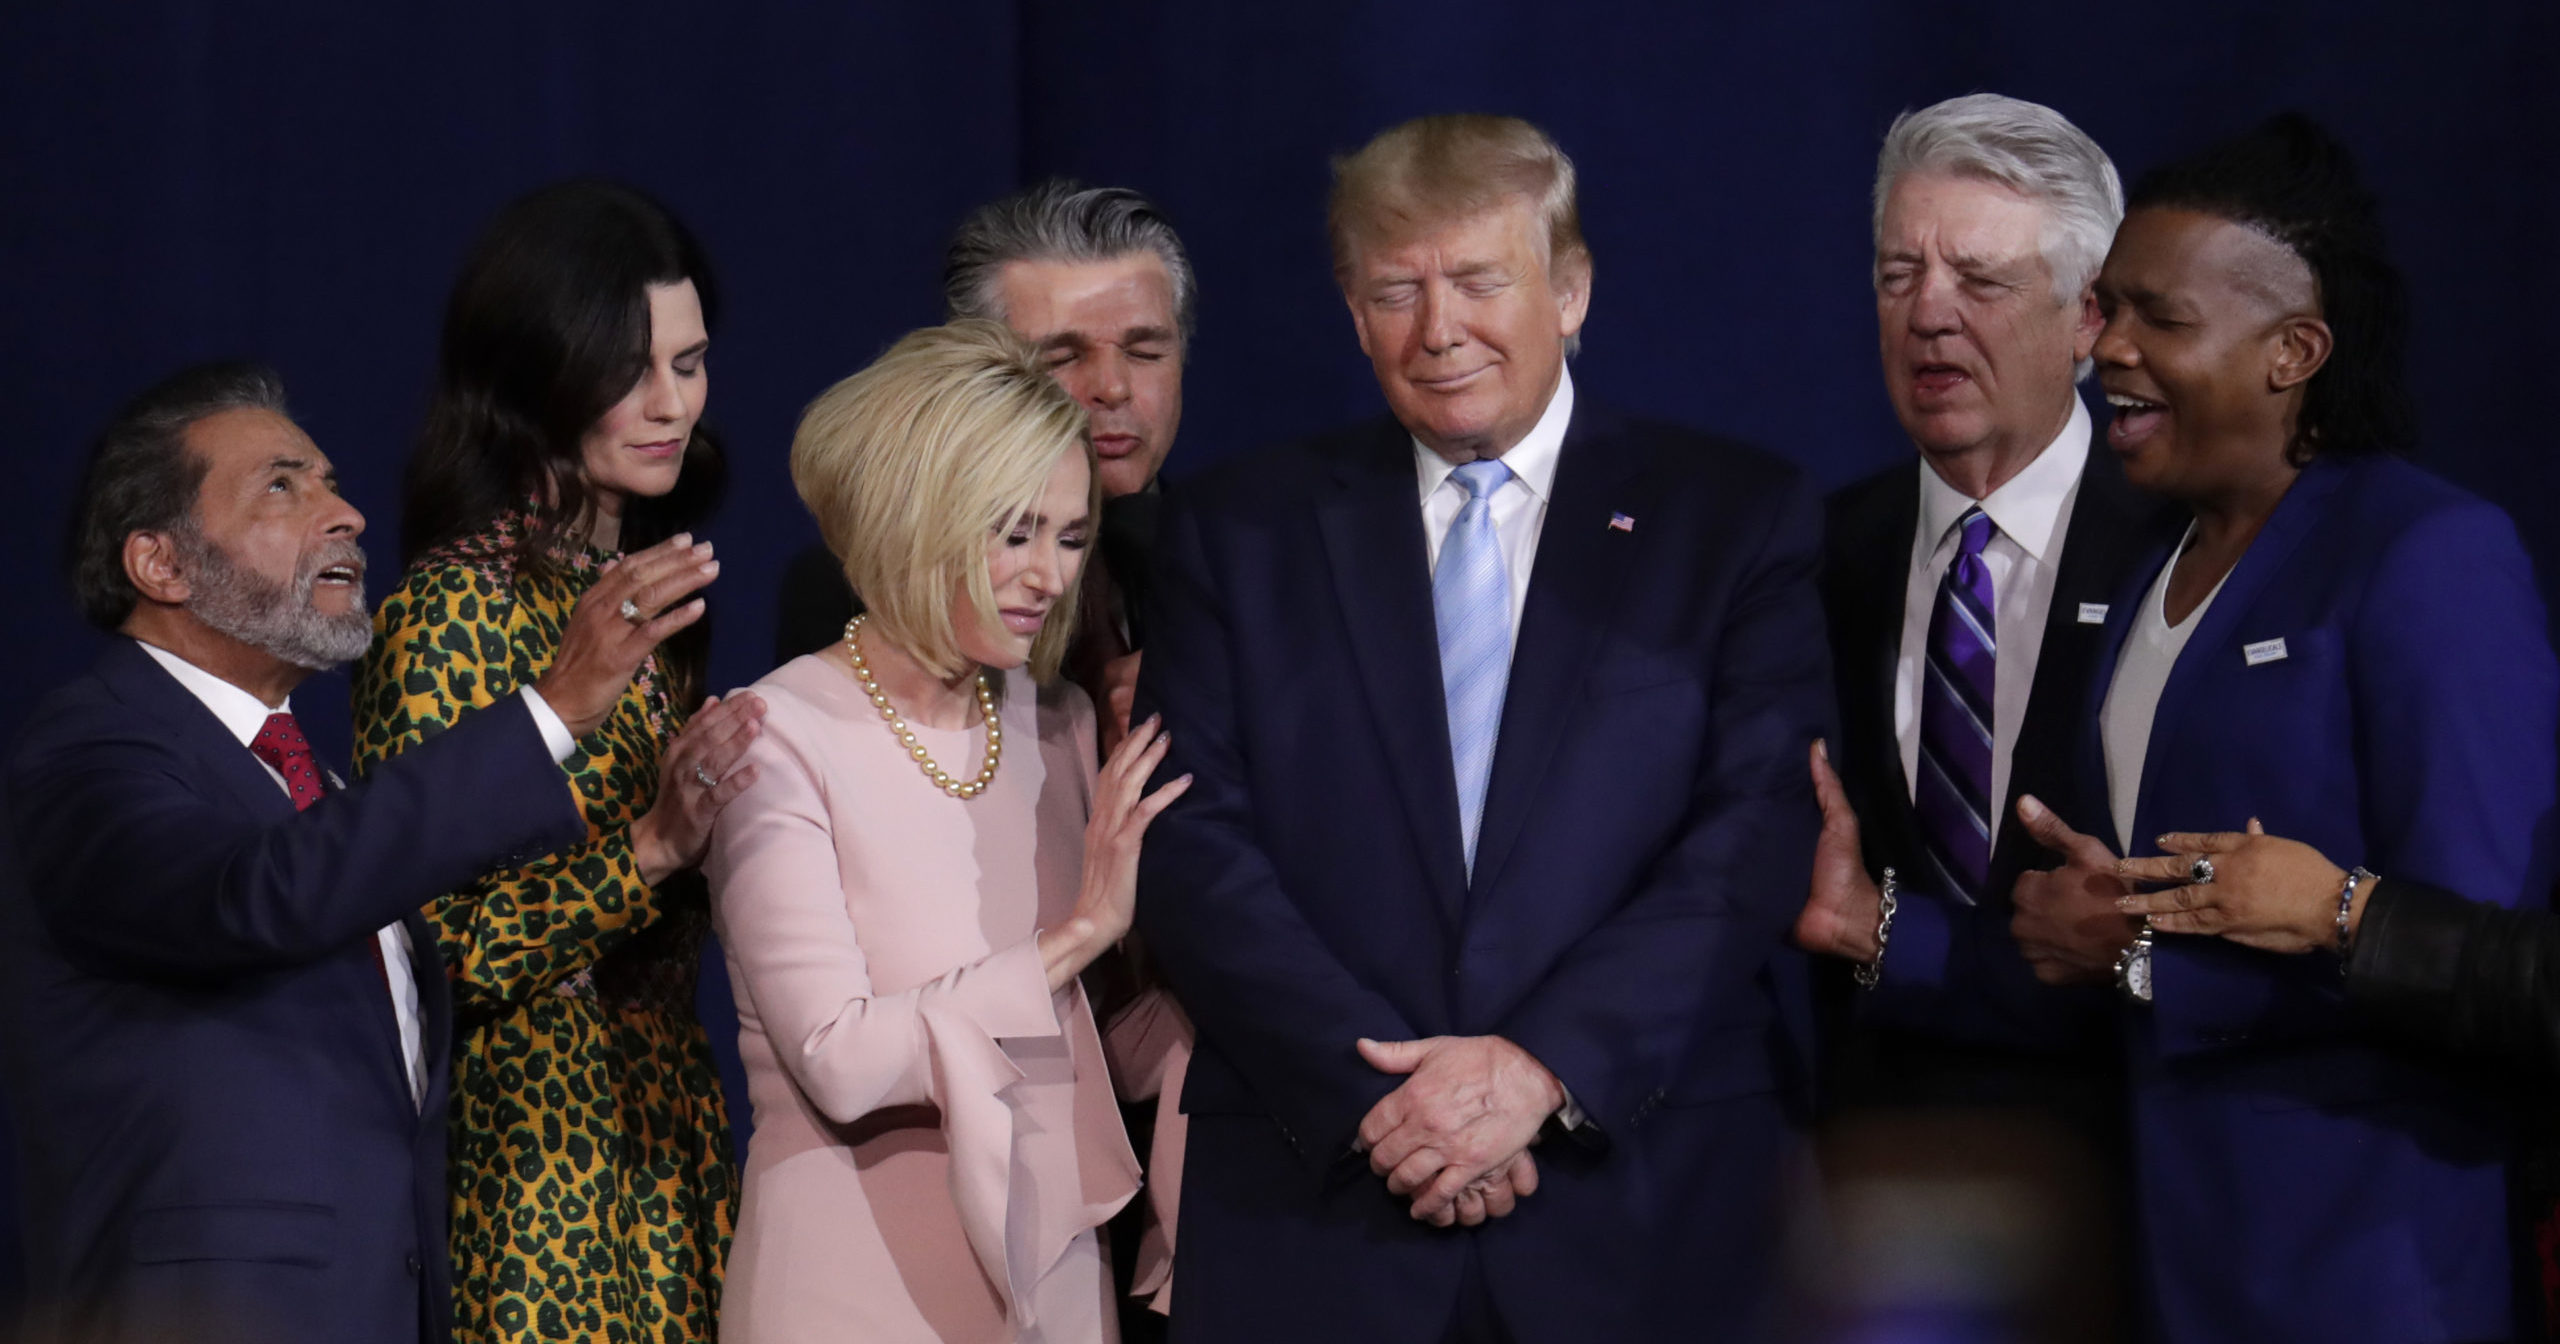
point(591, 1175)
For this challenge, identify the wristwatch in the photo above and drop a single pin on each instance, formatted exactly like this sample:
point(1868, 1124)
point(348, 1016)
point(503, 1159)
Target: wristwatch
point(2133, 966)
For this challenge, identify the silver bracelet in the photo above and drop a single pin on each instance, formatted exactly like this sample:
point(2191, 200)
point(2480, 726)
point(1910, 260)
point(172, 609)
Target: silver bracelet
point(2346, 899)
point(1869, 973)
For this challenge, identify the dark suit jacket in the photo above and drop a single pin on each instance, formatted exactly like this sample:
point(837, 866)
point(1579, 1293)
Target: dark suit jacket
point(2297, 1181)
point(1644, 849)
point(1957, 1018)
point(203, 1066)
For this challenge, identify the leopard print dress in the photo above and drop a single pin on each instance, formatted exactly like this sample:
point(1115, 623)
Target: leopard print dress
point(592, 1181)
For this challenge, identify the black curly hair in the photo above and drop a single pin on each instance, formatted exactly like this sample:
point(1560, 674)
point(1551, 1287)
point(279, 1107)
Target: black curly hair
point(2293, 181)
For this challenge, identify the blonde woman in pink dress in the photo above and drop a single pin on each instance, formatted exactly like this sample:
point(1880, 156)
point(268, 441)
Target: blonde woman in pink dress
point(927, 859)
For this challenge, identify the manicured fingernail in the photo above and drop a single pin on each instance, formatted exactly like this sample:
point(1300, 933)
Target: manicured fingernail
point(2030, 808)
point(1186, 778)
point(684, 538)
point(1822, 749)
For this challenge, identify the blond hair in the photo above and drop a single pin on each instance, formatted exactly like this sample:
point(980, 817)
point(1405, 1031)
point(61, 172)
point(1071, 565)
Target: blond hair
point(912, 463)
point(1433, 170)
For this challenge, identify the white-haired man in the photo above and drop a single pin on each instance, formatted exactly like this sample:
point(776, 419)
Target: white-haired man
point(1966, 597)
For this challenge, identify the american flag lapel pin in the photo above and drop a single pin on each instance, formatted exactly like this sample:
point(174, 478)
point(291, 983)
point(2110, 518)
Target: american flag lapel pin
point(1619, 522)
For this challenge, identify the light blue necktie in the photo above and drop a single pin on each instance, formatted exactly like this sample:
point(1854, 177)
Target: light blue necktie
point(1471, 600)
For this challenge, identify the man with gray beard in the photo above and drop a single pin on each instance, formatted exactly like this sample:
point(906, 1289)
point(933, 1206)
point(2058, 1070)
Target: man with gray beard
point(223, 1026)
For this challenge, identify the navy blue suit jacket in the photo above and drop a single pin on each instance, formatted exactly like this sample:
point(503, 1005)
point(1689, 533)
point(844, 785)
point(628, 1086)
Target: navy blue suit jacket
point(201, 1061)
point(1645, 847)
point(2295, 1181)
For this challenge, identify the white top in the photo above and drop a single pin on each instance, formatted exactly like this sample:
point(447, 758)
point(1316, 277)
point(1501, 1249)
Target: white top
point(245, 714)
point(2151, 650)
point(1519, 507)
point(2029, 513)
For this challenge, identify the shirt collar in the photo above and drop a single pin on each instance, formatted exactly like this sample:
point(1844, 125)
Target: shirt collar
point(2027, 506)
point(1532, 460)
point(244, 714)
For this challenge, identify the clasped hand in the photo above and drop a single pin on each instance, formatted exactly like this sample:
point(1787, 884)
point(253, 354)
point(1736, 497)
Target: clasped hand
point(2067, 921)
point(1455, 1135)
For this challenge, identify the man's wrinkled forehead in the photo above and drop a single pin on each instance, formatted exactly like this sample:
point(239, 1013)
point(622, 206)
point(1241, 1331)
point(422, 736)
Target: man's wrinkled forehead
point(237, 445)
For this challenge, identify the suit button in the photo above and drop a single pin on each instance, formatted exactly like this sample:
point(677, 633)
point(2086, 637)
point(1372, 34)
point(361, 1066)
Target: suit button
point(415, 1269)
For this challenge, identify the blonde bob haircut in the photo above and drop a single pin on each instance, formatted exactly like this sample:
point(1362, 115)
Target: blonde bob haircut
point(912, 464)
point(1433, 170)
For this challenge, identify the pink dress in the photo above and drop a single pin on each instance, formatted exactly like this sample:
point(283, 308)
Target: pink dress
point(935, 1135)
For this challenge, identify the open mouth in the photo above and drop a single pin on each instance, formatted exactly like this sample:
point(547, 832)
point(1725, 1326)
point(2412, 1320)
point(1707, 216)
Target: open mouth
point(347, 576)
point(1937, 380)
point(1024, 620)
point(2136, 419)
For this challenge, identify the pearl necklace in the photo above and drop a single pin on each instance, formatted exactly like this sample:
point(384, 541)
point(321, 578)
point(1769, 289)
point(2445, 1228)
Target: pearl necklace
point(957, 788)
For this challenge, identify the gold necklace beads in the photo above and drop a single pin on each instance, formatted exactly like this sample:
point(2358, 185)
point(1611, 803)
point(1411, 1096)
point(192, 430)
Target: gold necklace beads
point(942, 779)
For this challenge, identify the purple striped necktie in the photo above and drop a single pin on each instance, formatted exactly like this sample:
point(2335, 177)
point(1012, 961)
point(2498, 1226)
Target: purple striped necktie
point(1953, 792)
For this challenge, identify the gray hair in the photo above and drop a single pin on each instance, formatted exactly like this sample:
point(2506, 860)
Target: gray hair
point(2028, 148)
point(1059, 220)
point(140, 476)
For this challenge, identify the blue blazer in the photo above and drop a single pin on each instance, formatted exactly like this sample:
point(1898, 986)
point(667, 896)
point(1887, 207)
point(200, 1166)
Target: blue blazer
point(1645, 847)
point(2296, 1182)
point(202, 1065)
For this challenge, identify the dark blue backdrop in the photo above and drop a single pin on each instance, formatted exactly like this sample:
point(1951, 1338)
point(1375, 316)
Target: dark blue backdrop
point(187, 178)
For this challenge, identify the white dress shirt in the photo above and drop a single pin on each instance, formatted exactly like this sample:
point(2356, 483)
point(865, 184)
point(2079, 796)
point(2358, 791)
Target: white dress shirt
point(2029, 513)
point(1519, 507)
point(245, 714)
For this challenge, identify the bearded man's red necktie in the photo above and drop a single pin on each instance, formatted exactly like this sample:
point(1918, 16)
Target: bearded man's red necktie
point(280, 744)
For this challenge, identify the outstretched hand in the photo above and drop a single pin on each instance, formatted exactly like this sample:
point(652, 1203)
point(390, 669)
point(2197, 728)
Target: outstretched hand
point(696, 778)
point(2066, 921)
point(1107, 901)
point(2269, 893)
point(1839, 916)
point(602, 647)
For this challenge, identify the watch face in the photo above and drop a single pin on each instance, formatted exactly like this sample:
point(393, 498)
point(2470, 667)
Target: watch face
point(2137, 974)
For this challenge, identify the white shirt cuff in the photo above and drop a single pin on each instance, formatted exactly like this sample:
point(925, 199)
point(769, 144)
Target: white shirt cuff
point(1570, 1113)
point(555, 734)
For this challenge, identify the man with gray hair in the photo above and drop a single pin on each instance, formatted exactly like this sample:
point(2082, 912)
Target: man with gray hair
point(224, 1029)
point(1966, 599)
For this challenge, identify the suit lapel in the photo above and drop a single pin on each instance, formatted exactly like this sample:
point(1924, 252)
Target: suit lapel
point(141, 681)
point(1382, 577)
point(1574, 589)
point(2293, 519)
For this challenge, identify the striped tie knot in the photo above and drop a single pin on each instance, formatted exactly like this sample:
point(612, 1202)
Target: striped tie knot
point(1978, 528)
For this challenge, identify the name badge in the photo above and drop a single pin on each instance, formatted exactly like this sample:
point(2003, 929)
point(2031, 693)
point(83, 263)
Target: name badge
point(2093, 613)
point(2264, 651)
